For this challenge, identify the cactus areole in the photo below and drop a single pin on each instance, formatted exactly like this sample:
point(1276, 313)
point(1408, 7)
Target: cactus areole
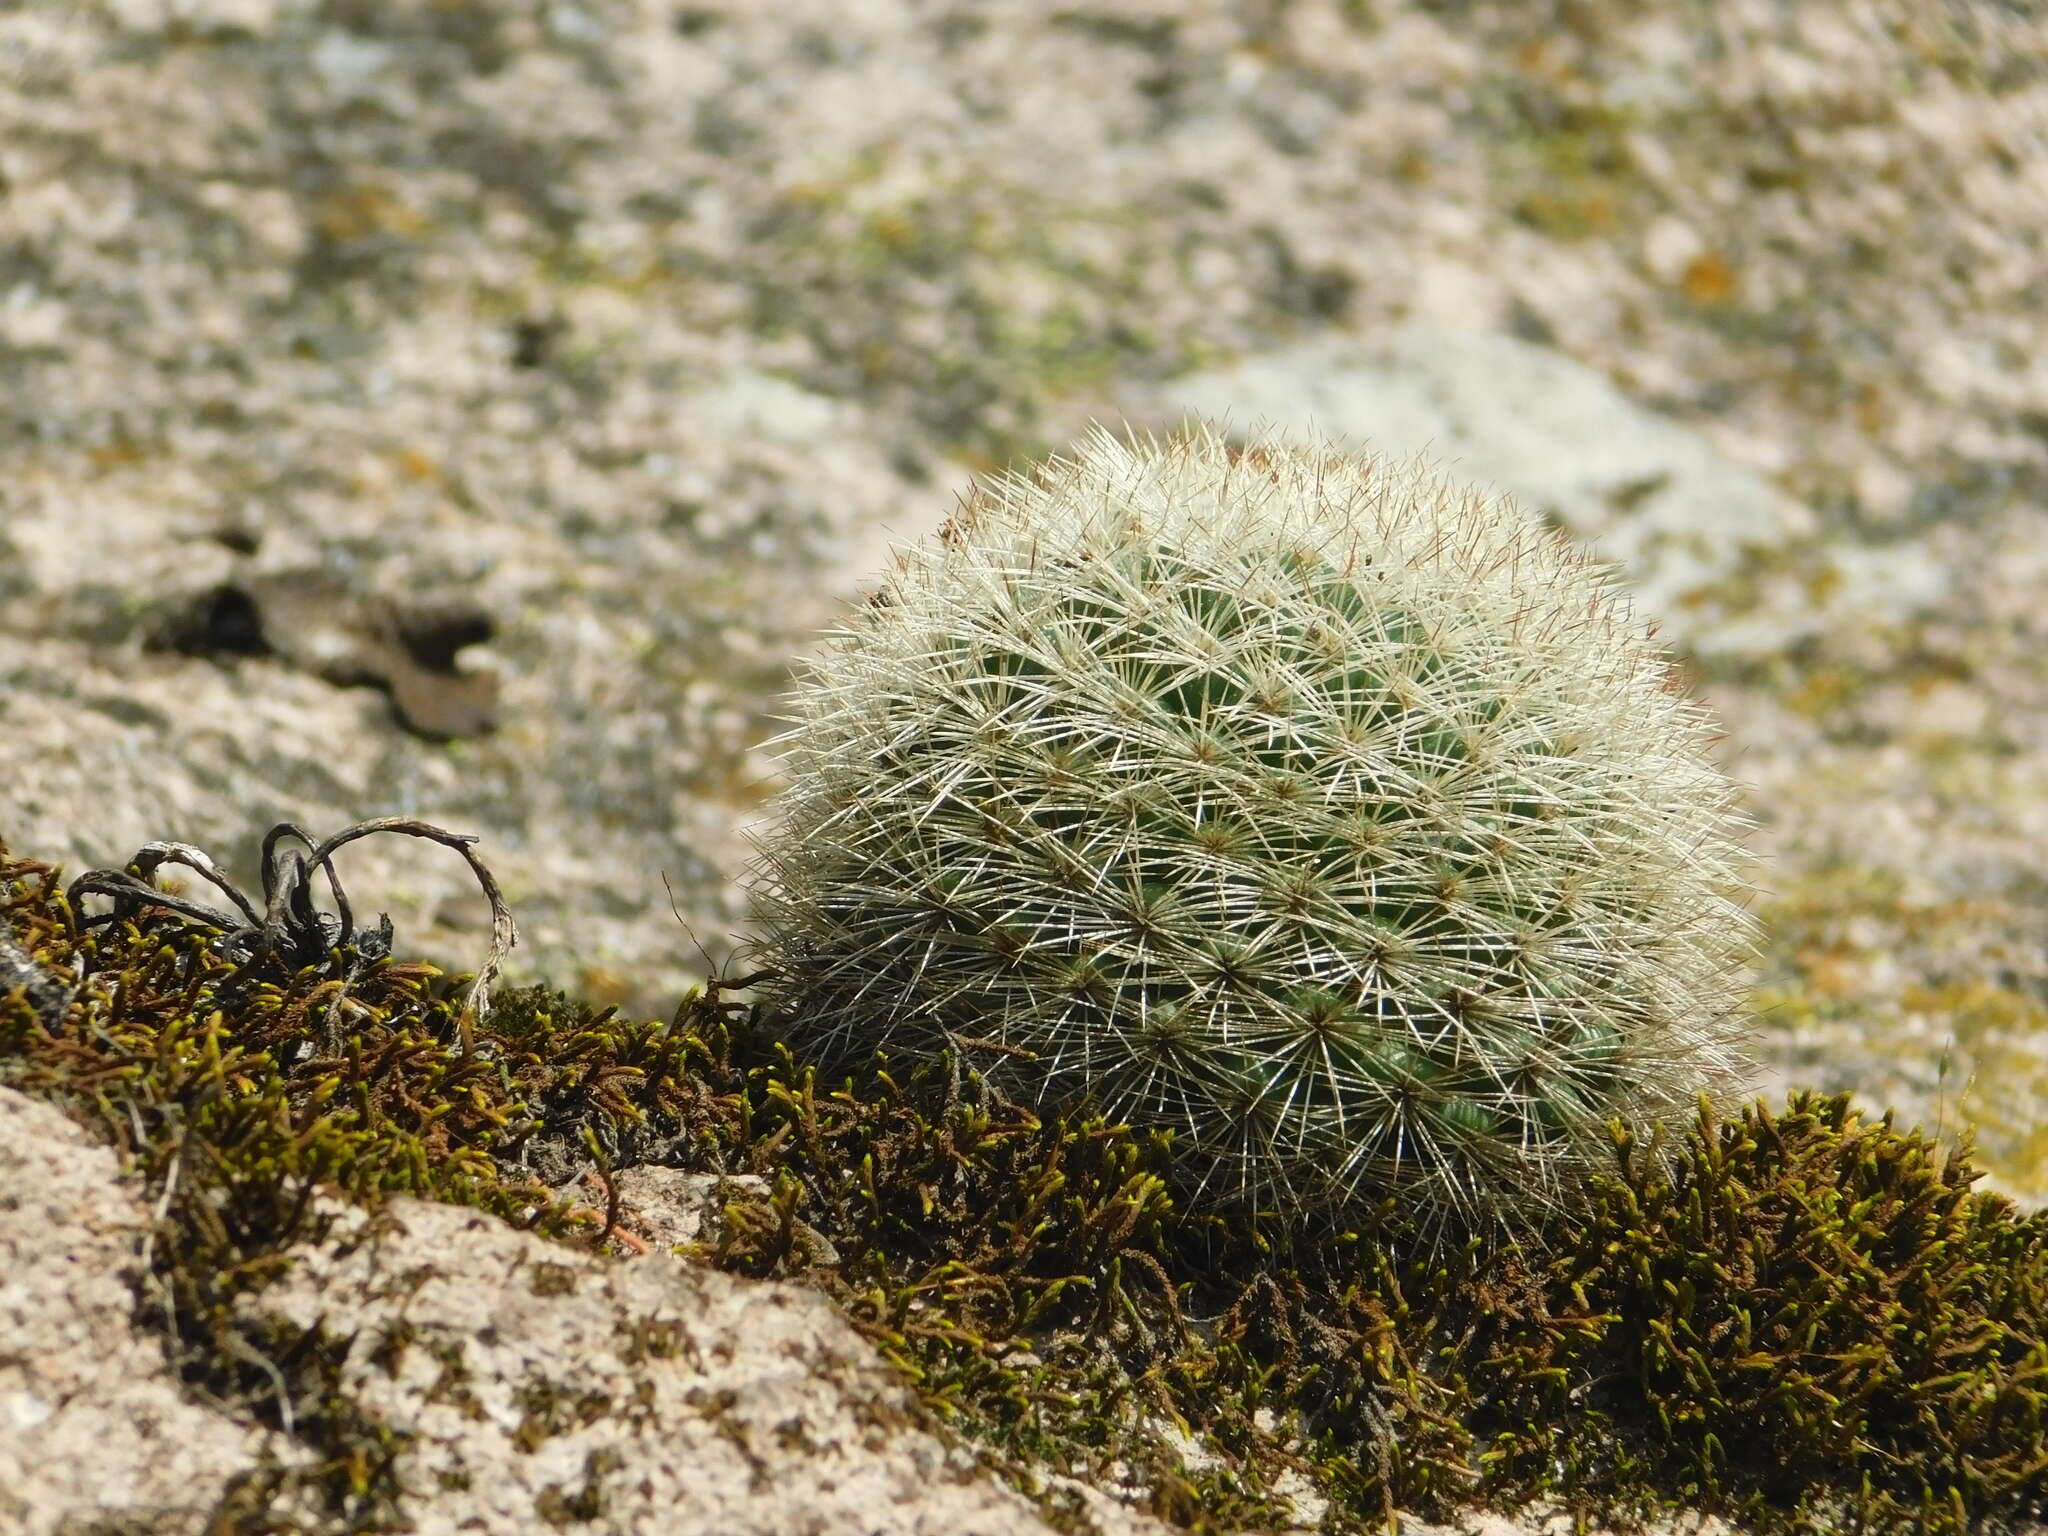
point(1336, 816)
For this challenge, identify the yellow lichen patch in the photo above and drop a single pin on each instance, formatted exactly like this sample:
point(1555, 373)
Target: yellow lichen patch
point(364, 211)
point(1709, 279)
point(1824, 691)
point(121, 452)
point(1999, 1063)
point(1921, 995)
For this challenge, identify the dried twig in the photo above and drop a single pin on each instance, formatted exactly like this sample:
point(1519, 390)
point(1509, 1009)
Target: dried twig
point(289, 931)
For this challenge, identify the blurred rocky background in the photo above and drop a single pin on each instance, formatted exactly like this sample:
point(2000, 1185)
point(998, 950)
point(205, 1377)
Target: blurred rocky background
point(468, 408)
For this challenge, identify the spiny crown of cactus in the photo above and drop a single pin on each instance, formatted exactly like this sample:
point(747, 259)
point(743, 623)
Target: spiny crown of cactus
point(1339, 818)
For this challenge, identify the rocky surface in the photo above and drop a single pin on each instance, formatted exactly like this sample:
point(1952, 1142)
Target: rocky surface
point(533, 1386)
point(94, 1426)
point(467, 411)
point(1654, 497)
point(528, 1385)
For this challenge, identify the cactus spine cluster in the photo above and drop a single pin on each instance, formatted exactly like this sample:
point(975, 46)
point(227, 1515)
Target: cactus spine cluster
point(1335, 816)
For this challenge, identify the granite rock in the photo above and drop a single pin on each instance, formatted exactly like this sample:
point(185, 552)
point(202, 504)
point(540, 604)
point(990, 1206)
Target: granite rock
point(468, 411)
point(94, 1425)
point(527, 1383)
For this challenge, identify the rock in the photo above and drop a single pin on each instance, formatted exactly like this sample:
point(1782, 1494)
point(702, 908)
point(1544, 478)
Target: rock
point(533, 1385)
point(94, 1425)
point(1643, 490)
point(468, 412)
point(585, 696)
point(618, 338)
point(666, 1208)
point(529, 1384)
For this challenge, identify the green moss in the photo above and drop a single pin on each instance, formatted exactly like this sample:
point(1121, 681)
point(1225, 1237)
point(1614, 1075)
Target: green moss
point(549, 1409)
point(1796, 1318)
point(1560, 164)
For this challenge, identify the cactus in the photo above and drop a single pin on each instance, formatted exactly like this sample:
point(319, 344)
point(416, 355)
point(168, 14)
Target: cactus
point(1336, 817)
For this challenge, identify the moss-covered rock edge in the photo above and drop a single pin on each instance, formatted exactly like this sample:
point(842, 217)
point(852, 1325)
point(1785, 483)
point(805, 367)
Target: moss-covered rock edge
point(1803, 1319)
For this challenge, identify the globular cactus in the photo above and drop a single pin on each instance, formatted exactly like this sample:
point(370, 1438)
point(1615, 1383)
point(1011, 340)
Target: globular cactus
point(1337, 817)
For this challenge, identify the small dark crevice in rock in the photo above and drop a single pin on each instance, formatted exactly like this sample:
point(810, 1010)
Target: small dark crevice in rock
point(1151, 34)
point(533, 342)
point(1527, 323)
point(241, 538)
point(129, 712)
point(433, 637)
point(411, 653)
point(954, 28)
point(1322, 291)
point(1631, 494)
point(225, 621)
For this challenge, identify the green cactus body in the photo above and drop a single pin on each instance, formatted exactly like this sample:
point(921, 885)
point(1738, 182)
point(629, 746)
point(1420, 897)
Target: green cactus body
point(1336, 817)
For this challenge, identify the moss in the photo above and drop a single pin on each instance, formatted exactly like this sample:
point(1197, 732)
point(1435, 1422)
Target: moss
point(560, 1506)
point(550, 1409)
point(552, 1279)
point(1798, 1318)
point(1562, 164)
